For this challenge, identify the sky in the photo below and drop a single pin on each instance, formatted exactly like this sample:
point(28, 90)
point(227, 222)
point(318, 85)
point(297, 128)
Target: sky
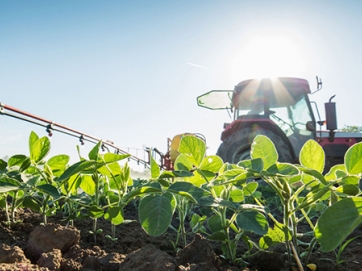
point(130, 71)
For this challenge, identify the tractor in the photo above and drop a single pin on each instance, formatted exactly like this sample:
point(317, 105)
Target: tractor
point(281, 110)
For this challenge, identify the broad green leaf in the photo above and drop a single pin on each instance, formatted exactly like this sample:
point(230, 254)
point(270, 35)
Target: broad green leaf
point(348, 189)
point(155, 214)
point(58, 162)
point(218, 236)
point(183, 163)
point(337, 222)
point(71, 185)
point(114, 215)
point(252, 221)
point(3, 165)
point(252, 164)
point(110, 169)
point(312, 156)
point(278, 234)
point(174, 174)
point(155, 169)
point(332, 174)
point(263, 148)
point(114, 157)
point(78, 168)
point(236, 194)
point(16, 160)
point(353, 159)
point(211, 163)
point(50, 190)
point(215, 224)
point(193, 190)
point(33, 137)
point(95, 211)
point(32, 204)
point(193, 146)
point(198, 178)
point(250, 188)
point(25, 165)
point(87, 185)
point(283, 169)
point(93, 154)
point(9, 184)
point(39, 149)
point(142, 191)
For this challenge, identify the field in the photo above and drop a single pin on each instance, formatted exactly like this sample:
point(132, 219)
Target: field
point(258, 215)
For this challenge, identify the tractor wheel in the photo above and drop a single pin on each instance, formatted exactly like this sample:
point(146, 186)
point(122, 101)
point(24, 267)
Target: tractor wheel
point(236, 147)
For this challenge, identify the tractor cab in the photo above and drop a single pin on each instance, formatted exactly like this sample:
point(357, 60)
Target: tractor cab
point(279, 105)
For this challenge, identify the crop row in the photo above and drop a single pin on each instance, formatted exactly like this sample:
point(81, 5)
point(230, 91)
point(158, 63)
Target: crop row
point(222, 201)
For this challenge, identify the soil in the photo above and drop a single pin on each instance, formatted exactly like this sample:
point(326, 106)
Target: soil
point(28, 246)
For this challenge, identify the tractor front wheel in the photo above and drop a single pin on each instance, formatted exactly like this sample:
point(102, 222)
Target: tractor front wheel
point(237, 146)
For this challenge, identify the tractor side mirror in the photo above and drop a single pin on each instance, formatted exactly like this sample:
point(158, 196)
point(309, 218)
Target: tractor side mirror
point(331, 118)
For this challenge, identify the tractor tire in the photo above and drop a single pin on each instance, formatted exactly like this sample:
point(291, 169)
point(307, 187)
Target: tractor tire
point(237, 146)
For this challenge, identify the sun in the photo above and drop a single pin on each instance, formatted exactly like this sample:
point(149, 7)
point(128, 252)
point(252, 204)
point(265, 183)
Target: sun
point(270, 56)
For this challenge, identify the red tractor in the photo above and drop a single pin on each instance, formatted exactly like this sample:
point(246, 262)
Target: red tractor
point(280, 109)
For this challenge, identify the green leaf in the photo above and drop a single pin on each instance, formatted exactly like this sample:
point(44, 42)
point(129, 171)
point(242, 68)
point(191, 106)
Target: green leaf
point(9, 184)
point(16, 160)
point(252, 221)
point(256, 165)
point(211, 163)
point(183, 163)
point(193, 190)
point(25, 165)
point(114, 157)
point(283, 169)
point(194, 147)
point(39, 148)
point(250, 188)
point(95, 211)
point(312, 156)
point(87, 185)
point(58, 163)
point(93, 154)
point(263, 148)
point(215, 223)
point(32, 204)
point(3, 165)
point(114, 215)
point(33, 137)
point(337, 222)
point(353, 159)
point(77, 168)
point(155, 169)
point(236, 194)
point(348, 189)
point(155, 214)
point(278, 234)
point(50, 190)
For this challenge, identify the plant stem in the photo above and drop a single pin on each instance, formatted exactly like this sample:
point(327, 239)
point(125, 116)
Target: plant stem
point(95, 230)
point(13, 207)
point(296, 257)
point(7, 211)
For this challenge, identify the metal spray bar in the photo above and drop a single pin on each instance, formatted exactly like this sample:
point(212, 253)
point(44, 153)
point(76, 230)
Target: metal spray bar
point(52, 126)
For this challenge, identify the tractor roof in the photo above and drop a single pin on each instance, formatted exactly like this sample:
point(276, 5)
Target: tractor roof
point(279, 92)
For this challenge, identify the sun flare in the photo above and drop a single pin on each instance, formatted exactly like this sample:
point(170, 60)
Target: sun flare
point(271, 56)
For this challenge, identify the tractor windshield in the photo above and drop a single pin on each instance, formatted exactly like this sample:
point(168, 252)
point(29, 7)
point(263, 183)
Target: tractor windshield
point(285, 103)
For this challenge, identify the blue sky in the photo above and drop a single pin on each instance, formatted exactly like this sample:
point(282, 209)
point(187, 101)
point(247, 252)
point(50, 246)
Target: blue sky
point(130, 71)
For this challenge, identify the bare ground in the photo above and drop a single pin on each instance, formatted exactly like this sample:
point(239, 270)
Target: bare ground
point(136, 250)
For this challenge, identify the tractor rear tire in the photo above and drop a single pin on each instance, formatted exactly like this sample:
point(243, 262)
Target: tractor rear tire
point(237, 146)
